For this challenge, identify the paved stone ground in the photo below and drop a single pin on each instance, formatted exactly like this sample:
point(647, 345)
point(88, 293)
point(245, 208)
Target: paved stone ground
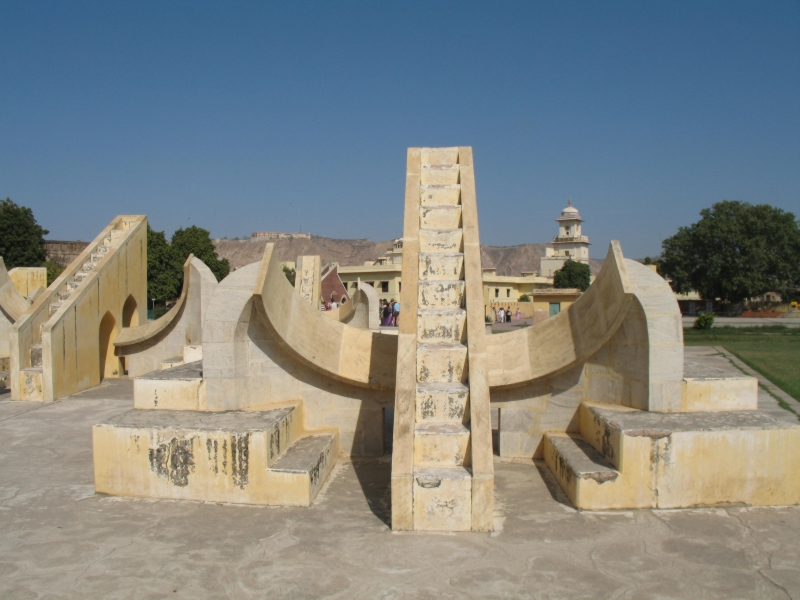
point(58, 539)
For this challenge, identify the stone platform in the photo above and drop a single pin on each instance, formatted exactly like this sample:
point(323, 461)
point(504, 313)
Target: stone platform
point(60, 539)
point(258, 457)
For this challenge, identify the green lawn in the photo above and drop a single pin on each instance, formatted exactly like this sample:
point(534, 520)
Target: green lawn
point(772, 351)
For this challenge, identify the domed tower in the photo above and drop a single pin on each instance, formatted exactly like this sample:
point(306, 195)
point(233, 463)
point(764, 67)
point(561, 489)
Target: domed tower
point(570, 243)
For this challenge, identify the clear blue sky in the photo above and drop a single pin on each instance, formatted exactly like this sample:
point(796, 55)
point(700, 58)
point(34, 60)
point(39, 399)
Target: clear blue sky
point(240, 117)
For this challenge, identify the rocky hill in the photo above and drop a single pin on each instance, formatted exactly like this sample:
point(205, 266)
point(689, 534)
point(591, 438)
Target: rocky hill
point(508, 260)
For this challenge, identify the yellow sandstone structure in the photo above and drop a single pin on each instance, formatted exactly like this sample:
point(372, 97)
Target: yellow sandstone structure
point(64, 342)
point(278, 390)
point(13, 304)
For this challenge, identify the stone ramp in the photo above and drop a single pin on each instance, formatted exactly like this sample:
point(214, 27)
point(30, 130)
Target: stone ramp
point(439, 348)
point(628, 458)
point(248, 457)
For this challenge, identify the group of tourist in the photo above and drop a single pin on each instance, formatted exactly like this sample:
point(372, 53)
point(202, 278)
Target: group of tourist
point(389, 313)
point(504, 315)
point(332, 305)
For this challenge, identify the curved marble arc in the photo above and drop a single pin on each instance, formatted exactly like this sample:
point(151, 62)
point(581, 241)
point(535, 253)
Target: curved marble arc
point(571, 336)
point(359, 356)
point(362, 310)
point(130, 336)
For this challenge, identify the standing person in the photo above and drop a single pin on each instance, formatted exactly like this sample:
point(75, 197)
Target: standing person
point(508, 314)
point(518, 316)
point(501, 315)
point(395, 312)
point(494, 310)
point(386, 314)
point(322, 306)
point(334, 306)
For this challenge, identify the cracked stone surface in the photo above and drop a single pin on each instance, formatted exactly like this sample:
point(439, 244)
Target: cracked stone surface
point(59, 539)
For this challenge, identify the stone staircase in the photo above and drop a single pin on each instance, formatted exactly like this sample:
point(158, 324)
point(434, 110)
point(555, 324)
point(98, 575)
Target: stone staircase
point(628, 458)
point(31, 385)
point(442, 485)
point(433, 468)
point(250, 457)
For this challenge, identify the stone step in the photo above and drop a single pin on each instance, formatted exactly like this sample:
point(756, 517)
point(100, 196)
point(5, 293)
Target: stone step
point(304, 468)
point(441, 325)
point(664, 459)
point(440, 240)
point(96, 257)
point(441, 266)
point(439, 174)
point(53, 309)
point(169, 363)
point(442, 498)
point(439, 217)
point(578, 467)
point(192, 353)
point(36, 355)
point(439, 156)
point(608, 427)
point(442, 403)
point(117, 233)
point(440, 294)
point(31, 384)
point(199, 455)
point(107, 241)
point(440, 194)
point(73, 285)
point(441, 363)
point(80, 276)
point(441, 445)
point(178, 388)
point(87, 267)
point(64, 294)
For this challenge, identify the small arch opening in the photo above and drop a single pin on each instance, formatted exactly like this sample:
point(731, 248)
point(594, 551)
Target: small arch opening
point(109, 363)
point(130, 316)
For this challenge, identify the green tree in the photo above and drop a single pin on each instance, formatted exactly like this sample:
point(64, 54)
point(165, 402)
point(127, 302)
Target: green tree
point(53, 270)
point(573, 275)
point(524, 298)
point(164, 268)
point(21, 237)
point(197, 241)
point(735, 251)
point(290, 274)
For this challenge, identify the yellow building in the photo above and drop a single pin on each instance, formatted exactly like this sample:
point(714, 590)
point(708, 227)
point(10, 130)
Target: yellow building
point(384, 274)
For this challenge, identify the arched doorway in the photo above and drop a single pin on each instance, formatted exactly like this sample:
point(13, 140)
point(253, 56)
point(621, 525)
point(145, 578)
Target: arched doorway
point(109, 362)
point(130, 316)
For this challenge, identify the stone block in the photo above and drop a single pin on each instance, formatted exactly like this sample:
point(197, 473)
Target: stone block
point(440, 266)
point(440, 194)
point(440, 240)
point(442, 403)
point(439, 217)
point(442, 499)
point(441, 445)
point(439, 174)
point(441, 294)
point(441, 363)
point(441, 325)
point(438, 156)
